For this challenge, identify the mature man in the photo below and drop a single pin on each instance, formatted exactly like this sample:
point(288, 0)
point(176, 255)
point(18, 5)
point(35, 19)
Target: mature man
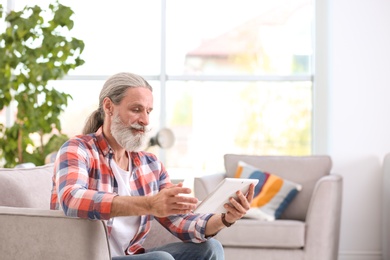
point(103, 175)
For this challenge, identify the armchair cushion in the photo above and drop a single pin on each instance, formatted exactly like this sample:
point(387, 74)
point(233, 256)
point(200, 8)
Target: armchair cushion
point(28, 233)
point(286, 234)
point(272, 194)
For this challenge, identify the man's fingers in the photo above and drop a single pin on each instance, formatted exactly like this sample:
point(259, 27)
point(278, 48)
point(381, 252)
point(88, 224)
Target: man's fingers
point(177, 189)
point(251, 193)
point(185, 199)
point(238, 206)
point(243, 201)
point(189, 206)
point(178, 195)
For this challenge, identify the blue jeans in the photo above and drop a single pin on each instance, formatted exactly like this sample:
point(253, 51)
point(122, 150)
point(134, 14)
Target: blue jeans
point(209, 250)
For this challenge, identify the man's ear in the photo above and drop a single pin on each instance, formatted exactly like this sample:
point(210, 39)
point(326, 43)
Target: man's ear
point(108, 106)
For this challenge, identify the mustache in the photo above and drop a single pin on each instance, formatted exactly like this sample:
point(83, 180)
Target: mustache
point(142, 128)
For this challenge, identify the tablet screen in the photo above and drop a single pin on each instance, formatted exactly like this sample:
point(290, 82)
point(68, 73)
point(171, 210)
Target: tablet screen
point(226, 189)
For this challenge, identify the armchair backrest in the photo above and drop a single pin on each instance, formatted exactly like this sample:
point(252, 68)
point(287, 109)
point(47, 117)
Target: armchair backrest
point(305, 170)
point(26, 187)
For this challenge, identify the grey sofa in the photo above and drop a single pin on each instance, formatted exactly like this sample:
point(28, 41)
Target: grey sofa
point(310, 226)
point(30, 230)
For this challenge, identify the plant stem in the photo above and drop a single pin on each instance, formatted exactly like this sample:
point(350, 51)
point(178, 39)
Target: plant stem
point(20, 146)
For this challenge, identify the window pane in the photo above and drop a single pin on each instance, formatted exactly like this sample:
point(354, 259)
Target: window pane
point(210, 119)
point(239, 37)
point(85, 100)
point(119, 35)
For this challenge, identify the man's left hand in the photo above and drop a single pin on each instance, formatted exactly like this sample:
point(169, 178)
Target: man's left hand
point(237, 208)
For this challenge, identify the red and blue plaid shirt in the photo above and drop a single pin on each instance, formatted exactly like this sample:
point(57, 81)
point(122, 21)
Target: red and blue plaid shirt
point(84, 186)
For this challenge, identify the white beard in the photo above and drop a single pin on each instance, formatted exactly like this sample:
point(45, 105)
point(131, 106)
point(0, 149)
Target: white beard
point(125, 137)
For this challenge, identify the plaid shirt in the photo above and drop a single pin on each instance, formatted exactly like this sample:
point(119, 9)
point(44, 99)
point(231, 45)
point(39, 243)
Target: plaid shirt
point(84, 186)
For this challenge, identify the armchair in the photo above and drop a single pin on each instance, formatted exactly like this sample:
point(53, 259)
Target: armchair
point(30, 230)
point(308, 229)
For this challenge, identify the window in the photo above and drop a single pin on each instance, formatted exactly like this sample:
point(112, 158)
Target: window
point(228, 76)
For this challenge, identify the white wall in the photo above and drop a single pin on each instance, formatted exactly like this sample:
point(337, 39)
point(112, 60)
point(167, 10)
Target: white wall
point(359, 117)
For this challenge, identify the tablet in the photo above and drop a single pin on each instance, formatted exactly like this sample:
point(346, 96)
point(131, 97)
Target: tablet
point(226, 189)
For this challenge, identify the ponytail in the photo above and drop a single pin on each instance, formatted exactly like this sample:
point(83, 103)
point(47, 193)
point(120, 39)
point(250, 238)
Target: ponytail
point(94, 121)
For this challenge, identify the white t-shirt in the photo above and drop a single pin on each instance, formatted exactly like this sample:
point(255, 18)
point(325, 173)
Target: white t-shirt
point(123, 228)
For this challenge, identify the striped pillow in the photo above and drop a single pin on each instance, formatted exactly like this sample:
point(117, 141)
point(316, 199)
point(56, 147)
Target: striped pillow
point(272, 194)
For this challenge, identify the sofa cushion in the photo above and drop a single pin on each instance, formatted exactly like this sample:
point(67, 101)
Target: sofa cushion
point(26, 187)
point(272, 194)
point(305, 170)
point(257, 233)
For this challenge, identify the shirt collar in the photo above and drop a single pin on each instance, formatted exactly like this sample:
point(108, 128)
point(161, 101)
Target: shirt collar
point(102, 142)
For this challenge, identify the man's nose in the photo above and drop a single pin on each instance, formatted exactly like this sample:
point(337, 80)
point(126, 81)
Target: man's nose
point(144, 118)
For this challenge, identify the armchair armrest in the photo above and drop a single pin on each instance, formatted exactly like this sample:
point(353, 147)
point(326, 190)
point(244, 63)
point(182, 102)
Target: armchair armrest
point(49, 234)
point(323, 219)
point(205, 184)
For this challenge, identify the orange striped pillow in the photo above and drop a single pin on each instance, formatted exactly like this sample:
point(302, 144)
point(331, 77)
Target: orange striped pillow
point(272, 194)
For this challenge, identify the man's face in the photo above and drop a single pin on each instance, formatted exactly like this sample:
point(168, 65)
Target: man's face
point(131, 118)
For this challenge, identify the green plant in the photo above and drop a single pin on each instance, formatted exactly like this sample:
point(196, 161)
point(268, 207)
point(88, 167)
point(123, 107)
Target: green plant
point(35, 49)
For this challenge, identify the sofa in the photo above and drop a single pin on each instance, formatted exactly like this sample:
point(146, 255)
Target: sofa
point(309, 228)
point(30, 230)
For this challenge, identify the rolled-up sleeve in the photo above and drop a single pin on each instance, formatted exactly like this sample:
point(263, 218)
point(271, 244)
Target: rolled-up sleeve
point(188, 228)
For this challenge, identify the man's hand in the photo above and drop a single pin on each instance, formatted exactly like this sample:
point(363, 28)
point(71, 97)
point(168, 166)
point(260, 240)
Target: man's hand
point(169, 201)
point(236, 209)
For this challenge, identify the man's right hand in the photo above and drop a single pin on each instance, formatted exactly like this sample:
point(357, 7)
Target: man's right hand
point(169, 201)
point(172, 200)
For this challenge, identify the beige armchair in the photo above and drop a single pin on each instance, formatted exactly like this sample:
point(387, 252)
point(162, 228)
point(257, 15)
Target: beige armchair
point(30, 230)
point(310, 226)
